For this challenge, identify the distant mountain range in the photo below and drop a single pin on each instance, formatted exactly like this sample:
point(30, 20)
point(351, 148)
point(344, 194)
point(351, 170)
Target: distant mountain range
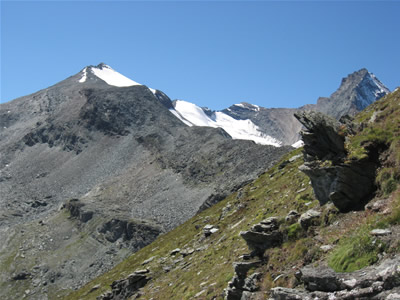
point(96, 166)
point(277, 126)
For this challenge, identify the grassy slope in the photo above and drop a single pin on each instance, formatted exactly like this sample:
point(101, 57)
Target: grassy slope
point(274, 193)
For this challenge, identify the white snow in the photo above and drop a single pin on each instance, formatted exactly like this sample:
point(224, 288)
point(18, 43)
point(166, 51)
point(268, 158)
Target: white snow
point(381, 87)
point(153, 91)
point(298, 144)
point(248, 106)
point(83, 79)
point(237, 129)
point(193, 114)
point(239, 104)
point(178, 115)
point(110, 76)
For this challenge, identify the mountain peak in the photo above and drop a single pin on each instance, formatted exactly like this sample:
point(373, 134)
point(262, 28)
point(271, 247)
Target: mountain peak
point(102, 65)
point(106, 73)
point(358, 90)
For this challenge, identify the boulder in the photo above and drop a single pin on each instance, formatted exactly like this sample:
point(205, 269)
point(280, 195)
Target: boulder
point(310, 218)
point(260, 241)
point(292, 217)
point(209, 230)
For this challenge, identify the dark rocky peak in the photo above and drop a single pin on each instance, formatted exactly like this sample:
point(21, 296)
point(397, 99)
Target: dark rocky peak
point(356, 92)
point(102, 65)
point(241, 109)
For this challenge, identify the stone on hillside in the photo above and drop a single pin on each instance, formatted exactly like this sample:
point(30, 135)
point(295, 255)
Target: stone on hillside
point(270, 221)
point(175, 251)
point(263, 235)
point(148, 260)
point(380, 232)
point(260, 241)
point(295, 157)
point(281, 293)
point(125, 288)
point(377, 206)
point(209, 230)
point(310, 218)
point(326, 248)
point(292, 217)
point(186, 252)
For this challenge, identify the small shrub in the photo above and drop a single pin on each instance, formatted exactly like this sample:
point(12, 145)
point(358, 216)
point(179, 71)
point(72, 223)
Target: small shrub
point(294, 231)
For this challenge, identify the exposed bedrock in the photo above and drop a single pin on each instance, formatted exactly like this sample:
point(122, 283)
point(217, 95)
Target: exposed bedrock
point(349, 184)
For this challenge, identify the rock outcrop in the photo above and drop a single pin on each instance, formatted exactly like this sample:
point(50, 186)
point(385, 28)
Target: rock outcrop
point(262, 236)
point(348, 184)
point(77, 210)
point(125, 288)
point(136, 234)
point(240, 283)
point(376, 282)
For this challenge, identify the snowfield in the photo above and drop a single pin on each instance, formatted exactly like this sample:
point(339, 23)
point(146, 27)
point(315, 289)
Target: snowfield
point(193, 115)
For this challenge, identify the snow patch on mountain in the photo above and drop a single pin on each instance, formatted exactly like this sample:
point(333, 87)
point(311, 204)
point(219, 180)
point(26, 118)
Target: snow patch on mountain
point(248, 106)
point(298, 144)
point(194, 114)
point(84, 75)
point(179, 116)
point(238, 129)
point(111, 76)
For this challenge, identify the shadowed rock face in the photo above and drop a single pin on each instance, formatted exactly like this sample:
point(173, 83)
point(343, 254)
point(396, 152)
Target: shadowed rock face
point(321, 137)
point(347, 184)
point(132, 167)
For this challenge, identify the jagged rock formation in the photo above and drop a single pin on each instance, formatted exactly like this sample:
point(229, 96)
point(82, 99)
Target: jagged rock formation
point(347, 184)
point(356, 92)
point(377, 282)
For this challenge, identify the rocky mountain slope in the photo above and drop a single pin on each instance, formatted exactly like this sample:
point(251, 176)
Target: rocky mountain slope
point(95, 168)
point(280, 237)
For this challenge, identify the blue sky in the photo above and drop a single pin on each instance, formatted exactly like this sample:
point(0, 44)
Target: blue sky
point(215, 54)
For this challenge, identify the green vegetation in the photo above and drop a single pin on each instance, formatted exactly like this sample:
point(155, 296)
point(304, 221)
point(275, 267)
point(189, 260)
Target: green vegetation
point(380, 132)
point(354, 252)
point(294, 231)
